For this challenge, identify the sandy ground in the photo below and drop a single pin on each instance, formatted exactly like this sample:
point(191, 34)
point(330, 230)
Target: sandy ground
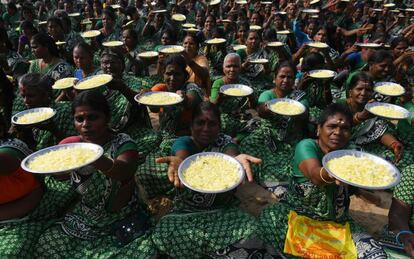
point(371, 216)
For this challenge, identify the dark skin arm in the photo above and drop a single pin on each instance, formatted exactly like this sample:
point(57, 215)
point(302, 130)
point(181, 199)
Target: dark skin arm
point(118, 84)
point(120, 169)
point(21, 207)
point(392, 143)
point(8, 164)
point(398, 219)
point(311, 169)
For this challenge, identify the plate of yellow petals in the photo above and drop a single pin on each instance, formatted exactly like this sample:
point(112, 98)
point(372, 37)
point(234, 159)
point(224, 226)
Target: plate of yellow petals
point(387, 110)
point(158, 98)
point(361, 169)
point(236, 90)
point(62, 158)
point(93, 82)
point(389, 89)
point(64, 83)
point(286, 107)
point(33, 116)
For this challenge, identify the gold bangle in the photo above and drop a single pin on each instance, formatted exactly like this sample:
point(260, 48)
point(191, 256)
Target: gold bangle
point(323, 179)
point(112, 167)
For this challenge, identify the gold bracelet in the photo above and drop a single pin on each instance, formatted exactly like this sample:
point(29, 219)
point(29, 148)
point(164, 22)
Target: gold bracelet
point(112, 167)
point(323, 179)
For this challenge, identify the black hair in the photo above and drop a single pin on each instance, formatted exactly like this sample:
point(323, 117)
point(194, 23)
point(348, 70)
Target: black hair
point(281, 16)
point(85, 47)
point(28, 25)
point(259, 35)
point(12, 5)
point(130, 10)
point(47, 41)
point(286, 64)
point(93, 99)
point(177, 60)
point(362, 76)
point(114, 53)
point(197, 43)
point(203, 107)
point(333, 109)
point(39, 82)
point(133, 34)
point(214, 18)
point(269, 34)
point(379, 56)
point(243, 24)
point(398, 40)
point(259, 15)
point(171, 34)
point(56, 20)
point(111, 14)
point(312, 61)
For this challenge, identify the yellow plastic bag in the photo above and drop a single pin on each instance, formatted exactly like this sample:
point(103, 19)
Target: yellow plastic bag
point(309, 238)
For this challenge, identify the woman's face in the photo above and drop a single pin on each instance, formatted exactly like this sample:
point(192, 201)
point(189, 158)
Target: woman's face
point(254, 20)
point(320, 36)
point(107, 21)
point(278, 22)
point(310, 28)
point(159, 19)
point(399, 49)
point(190, 46)
point(112, 65)
point(242, 33)
point(81, 58)
point(285, 79)
point(205, 128)
point(253, 41)
point(381, 69)
point(361, 93)
point(92, 125)
point(165, 39)
point(200, 18)
point(210, 23)
point(231, 69)
point(128, 40)
point(335, 133)
point(38, 50)
point(357, 14)
point(54, 30)
point(174, 77)
point(33, 98)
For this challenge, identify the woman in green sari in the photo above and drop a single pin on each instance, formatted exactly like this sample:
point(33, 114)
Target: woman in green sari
point(48, 60)
point(176, 119)
point(313, 192)
point(27, 207)
point(204, 225)
point(380, 67)
point(259, 73)
point(35, 91)
point(109, 31)
point(373, 134)
point(83, 60)
point(318, 90)
point(274, 136)
point(133, 64)
point(232, 109)
point(127, 116)
point(97, 225)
